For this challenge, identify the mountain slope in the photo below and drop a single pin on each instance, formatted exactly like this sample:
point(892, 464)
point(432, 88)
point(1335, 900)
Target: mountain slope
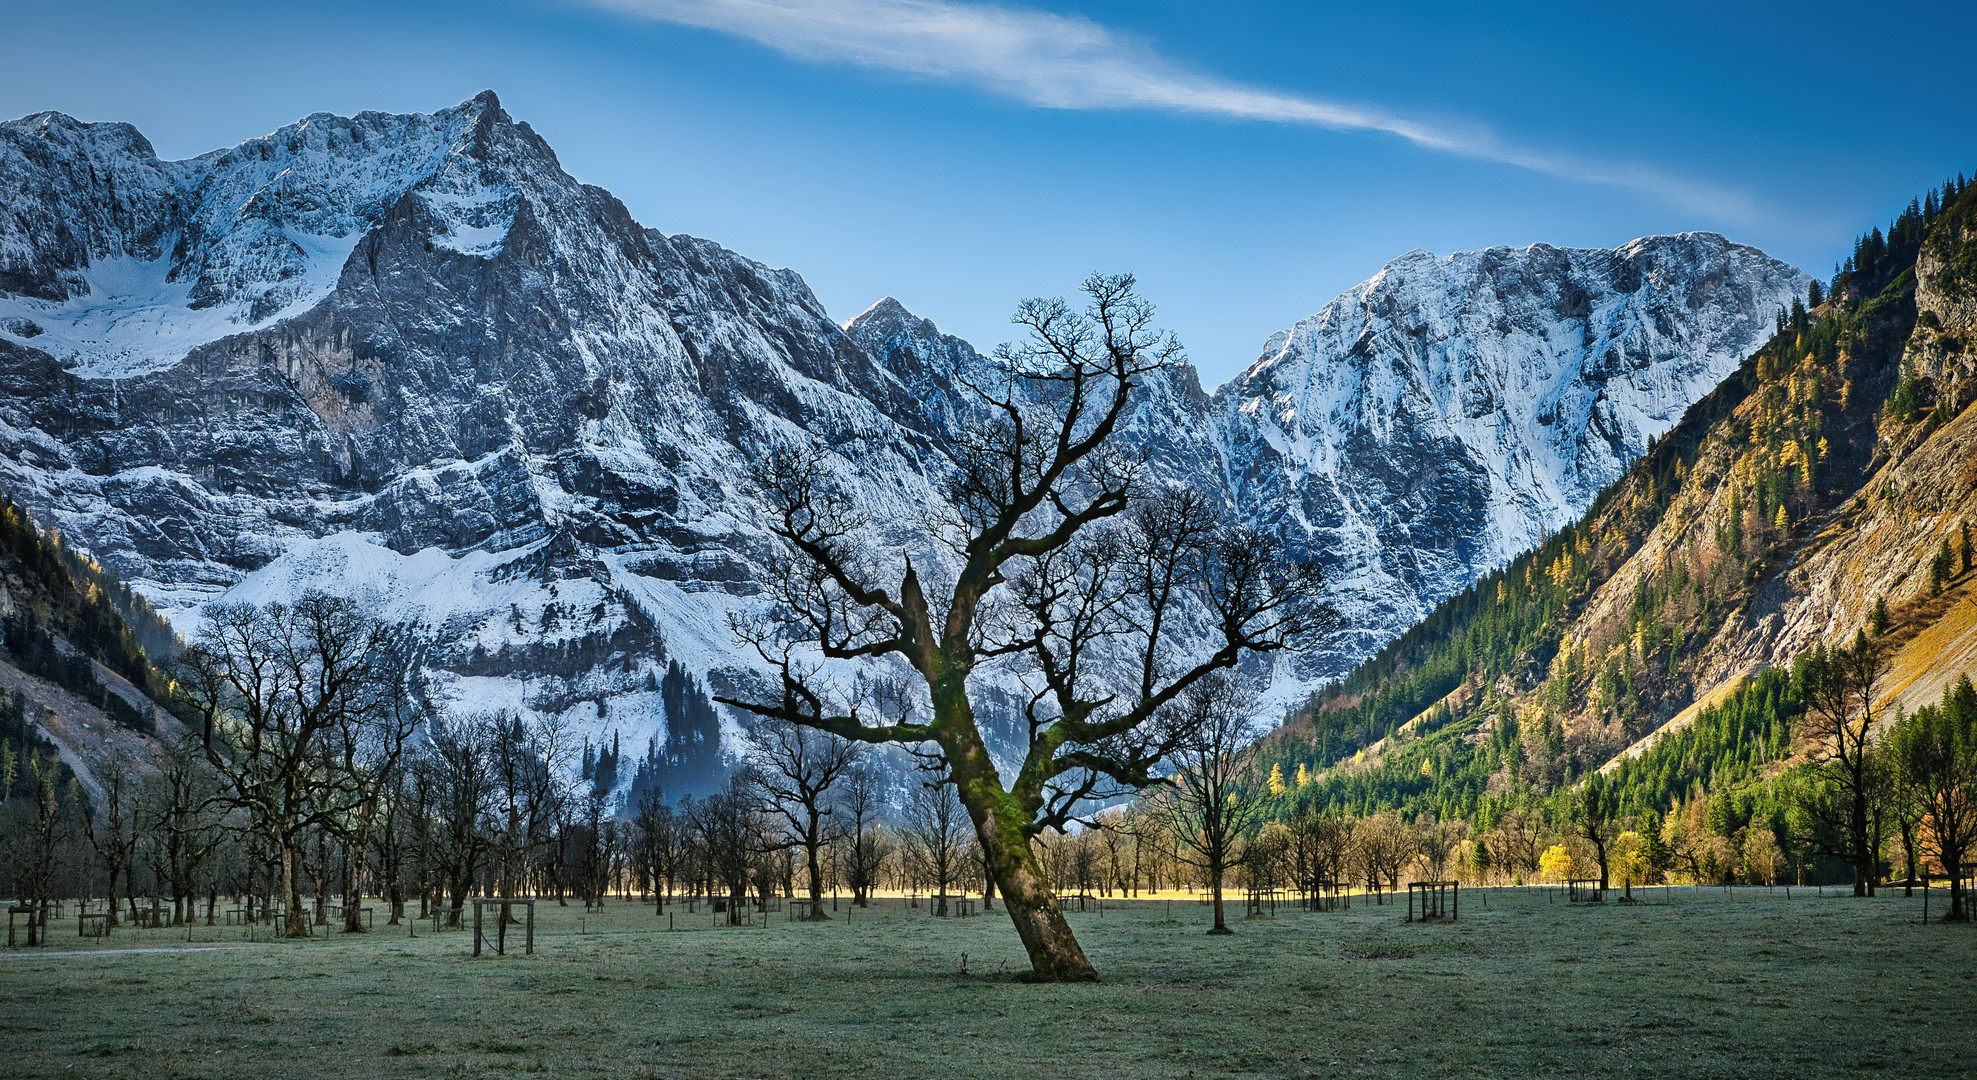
point(1825, 475)
point(75, 679)
point(1448, 414)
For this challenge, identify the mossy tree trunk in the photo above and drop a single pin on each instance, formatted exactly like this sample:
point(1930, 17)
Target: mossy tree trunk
point(1064, 553)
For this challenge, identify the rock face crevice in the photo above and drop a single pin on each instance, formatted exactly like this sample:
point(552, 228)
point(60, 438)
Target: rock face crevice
point(410, 357)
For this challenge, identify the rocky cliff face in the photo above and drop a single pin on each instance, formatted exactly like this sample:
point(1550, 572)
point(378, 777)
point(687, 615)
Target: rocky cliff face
point(410, 357)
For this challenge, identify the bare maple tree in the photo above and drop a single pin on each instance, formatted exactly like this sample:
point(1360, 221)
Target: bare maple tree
point(291, 702)
point(1072, 577)
point(1216, 801)
point(796, 769)
point(866, 847)
point(457, 788)
point(729, 837)
point(1841, 685)
point(115, 831)
point(936, 839)
point(183, 821)
point(656, 846)
point(1596, 811)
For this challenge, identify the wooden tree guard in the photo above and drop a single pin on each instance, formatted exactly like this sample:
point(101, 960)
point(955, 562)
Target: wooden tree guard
point(1328, 895)
point(1263, 900)
point(1439, 901)
point(504, 903)
point(34, 919)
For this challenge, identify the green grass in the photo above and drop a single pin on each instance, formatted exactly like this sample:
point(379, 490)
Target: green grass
point(1704, 985)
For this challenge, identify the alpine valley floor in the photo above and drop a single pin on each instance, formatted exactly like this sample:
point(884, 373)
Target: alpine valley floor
point(1689, 983)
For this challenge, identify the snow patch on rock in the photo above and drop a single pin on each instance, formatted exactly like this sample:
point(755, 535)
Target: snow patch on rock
point(132, 317)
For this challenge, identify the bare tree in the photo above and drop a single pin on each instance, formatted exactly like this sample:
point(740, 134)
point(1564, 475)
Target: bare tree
point(454, 779)
point(1840, 685)
point(35, 842)
point(796, 769)
point(115, 836)
point(1084, 859)
point(390, 842)
point(1515, 842)
point(533, 809)
point(601, 847)
point(273, 689)
point(868, 847)
point(369, 744)
point(1214, 803)
point(1383, 843)
point(656, 845)
point(1306, 855)
point(1438, 842)
point(180, 819)
point(1596, 811)
point(1334, 841)
point(1266, 856)
point(937, 837)
point(1070, 575)
point(1114, 838)
point(729, 833)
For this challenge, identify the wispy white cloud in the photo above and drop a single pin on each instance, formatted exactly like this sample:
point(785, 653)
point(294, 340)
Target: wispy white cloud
point(1068, 62)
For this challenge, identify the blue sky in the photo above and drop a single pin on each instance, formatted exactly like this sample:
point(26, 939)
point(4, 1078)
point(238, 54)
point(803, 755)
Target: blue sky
point(1247, 160)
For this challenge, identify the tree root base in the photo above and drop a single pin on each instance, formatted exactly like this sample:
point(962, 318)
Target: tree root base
point(1040, 977)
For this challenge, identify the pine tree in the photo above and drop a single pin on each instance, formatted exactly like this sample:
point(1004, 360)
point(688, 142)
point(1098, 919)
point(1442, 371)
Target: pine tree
point(1654, 849)
point(1879, 623)
point(1906, 401)
point(1277, 778)
point(1939, 567)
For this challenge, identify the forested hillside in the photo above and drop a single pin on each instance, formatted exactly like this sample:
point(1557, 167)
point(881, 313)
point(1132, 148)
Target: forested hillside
point(1825, 487)
point(61, 615)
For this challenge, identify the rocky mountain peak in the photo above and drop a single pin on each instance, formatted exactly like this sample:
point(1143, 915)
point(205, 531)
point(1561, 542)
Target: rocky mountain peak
point(884, 316)
point(61, 129)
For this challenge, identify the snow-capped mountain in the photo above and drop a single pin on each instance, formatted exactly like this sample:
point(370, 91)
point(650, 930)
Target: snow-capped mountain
point(513, 415)
point(1447, 413)
point(409, 357)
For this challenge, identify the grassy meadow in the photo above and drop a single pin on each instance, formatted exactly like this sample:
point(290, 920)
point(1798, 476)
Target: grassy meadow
point(1689, 983)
